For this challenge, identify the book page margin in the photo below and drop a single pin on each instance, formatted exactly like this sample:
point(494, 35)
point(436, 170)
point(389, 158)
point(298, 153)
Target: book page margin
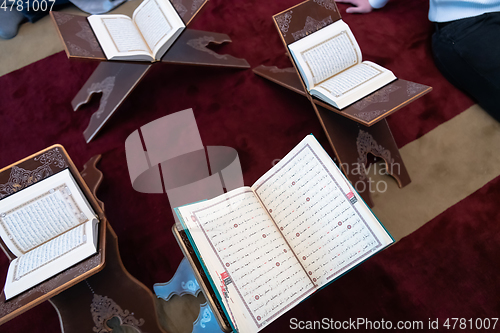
point(268, 320)
point(37, 190)
point(311, 143)
point(317, 38)
point(106, 41)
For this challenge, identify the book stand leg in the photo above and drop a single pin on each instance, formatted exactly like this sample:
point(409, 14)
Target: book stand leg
point(191, 49)
point(184, 283)
point(111, 298)
point(116, 80)
point(107, 300)
point(352, 142)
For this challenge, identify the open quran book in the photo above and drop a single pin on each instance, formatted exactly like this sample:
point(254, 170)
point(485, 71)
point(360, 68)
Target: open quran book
point(330, 63)
point(49, 226)
point(153, 28)
point(267, 247)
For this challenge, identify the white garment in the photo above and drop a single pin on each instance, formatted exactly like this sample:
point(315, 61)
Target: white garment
point(449, 10)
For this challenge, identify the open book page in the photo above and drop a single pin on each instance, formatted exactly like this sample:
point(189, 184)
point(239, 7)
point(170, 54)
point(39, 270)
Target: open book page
point(246, 257)
point(51, 258)
point(119, 37)
point(42, 211)
point(158, 22)
point(309, 199)
point(330, 62)
point(325, 53)
point(353, 84)
point(351, 78)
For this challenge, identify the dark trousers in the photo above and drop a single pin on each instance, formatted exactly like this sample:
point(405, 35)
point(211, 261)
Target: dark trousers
point(467, 52)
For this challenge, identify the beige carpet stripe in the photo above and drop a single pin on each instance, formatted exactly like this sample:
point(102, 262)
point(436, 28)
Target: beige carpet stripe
point(445, 165)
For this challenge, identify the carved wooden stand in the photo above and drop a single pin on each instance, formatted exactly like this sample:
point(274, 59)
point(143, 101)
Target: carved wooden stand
point(110, 298)
point(107, 300)
point(97, 294)
point(358, 129)
point(116, 80)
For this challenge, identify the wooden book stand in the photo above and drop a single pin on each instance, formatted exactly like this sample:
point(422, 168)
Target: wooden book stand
point(22, 174)
point(87, 296)
point(360, 128)
point(117, 79)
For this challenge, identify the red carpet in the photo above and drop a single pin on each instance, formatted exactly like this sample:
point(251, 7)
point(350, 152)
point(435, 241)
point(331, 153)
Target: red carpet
point(423, 276)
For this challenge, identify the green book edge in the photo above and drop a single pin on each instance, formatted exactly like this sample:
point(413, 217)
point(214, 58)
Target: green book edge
point(202, 263)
